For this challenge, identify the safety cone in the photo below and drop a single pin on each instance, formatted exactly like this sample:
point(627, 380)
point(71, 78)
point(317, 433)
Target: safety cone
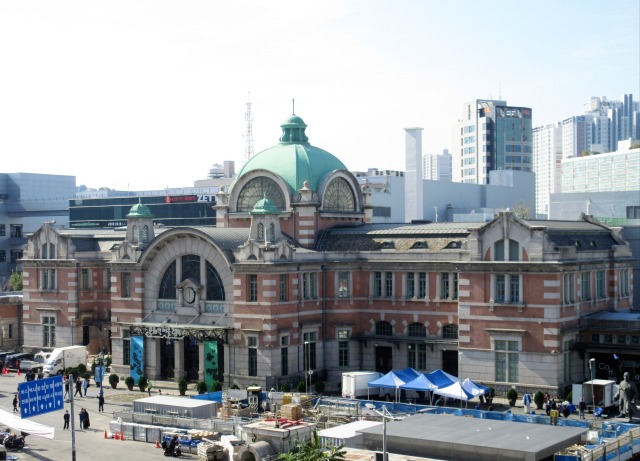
point(121, 435)
point(157, 443)
point(116, 436)
point(105, 434)
point(18, 371)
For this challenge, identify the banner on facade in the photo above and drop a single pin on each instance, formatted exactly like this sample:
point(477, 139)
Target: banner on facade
point(136, 359)
point(211, 363)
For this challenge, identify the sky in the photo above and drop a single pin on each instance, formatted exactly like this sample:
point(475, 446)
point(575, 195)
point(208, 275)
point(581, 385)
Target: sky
point(144, 95)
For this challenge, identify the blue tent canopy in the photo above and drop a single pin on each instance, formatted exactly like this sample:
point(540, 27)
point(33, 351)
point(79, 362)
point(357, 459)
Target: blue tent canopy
point(421, 383)
point(391, 379)
point(441, 378)
point(407, 374)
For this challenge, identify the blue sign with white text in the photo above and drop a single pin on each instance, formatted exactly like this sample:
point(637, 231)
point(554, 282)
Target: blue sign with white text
point(41, 396)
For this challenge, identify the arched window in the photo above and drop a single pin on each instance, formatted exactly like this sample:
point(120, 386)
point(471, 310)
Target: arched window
point(258, 189)
point(384, 329)
point(260, 232)
point(339, 196)
point(190, 268)
point(417, 330)
point(506, 250)
point(215, 289)
point(450, 331)
point(272, 232)
point(48, 251)
point(168, 284)
point(145, 234)
point(134, 234)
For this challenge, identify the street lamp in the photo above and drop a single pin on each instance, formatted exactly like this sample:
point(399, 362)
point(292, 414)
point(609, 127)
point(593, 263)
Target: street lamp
point(385, 416)
point(307, 346)
point(592, 366)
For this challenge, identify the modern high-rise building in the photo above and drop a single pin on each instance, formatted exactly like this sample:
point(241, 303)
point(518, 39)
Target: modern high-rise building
point(413, 175)
point(491, 136)
point(437, 167)
point(576, 135)
point(547, 155)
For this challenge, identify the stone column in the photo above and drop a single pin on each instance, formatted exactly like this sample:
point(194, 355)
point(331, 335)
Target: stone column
point(178, 348)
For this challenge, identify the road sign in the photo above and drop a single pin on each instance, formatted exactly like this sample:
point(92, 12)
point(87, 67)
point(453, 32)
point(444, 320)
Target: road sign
point(41, 396)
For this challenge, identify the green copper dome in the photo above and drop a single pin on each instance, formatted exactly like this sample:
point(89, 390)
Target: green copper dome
point(140, 210)
point(265, 206)
point(294, 159)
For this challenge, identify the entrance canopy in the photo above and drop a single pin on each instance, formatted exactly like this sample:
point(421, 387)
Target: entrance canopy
point(24, 425)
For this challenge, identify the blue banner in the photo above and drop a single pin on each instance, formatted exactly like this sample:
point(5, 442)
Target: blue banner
point(137, 357)
point(41, 396)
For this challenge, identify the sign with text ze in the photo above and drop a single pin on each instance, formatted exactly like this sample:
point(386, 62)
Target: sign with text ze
point(41, 396)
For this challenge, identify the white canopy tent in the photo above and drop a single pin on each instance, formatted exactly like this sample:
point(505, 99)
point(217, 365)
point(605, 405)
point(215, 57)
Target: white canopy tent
point(454, 391)
point(24, 425)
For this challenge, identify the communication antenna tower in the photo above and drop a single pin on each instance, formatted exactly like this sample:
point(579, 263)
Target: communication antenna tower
point(248, 135)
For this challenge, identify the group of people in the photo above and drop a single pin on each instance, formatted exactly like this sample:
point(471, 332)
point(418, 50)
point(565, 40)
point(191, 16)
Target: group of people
point(31, 375)
point(85, 423)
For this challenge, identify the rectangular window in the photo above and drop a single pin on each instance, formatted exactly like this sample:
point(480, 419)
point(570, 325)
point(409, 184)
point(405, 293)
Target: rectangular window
point(507, 358)
point(3, 256)
point(85, 279)
point(411, 285)
point(633, 212)
point(514, 250)
point(600, 285)
point(568, 289)
point(422, 285)
point(624, 282)
point(283, 287)
point(343, 284)
point(607, 338)
point(107, 279)
point(310, 285)
point(388, 284)
point(252, 344)
point(595, 338)
point(444, 285)
point(15, 255)
point(15, 230)
point(417, 356)
point(252, 295)
point(284, 355)
point(309, 350)
point(48, 331)
point(126, 285)
point(377, 284)
point(568, 361)
point(10, 330)
point(585, 286)
point(3, 230)
point(498, 250)
point(501, 288)
point(343, 348)
point(514, 288)
point(49, 279)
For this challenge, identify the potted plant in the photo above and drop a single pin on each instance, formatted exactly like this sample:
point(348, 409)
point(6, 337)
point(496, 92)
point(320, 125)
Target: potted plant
point(301, 386)
point(142, 383)
point(114, 380)
point(538, 399)
point(285, 388)
point(129, 382)
point(512, 396)
point(202, 387)
point(182, 386)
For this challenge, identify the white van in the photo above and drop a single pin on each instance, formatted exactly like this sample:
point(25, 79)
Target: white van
point(65, 357)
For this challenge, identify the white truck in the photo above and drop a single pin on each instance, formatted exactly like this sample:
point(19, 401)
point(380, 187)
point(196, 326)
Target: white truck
point(355, 384)
point(600, 390)
point(62, 358)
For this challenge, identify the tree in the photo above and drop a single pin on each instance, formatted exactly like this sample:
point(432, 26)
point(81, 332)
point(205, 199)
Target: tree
point(521, 210)
point(15, 281)
point(312, 450)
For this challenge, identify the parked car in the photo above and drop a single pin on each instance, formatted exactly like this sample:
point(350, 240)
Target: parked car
point(12, 360)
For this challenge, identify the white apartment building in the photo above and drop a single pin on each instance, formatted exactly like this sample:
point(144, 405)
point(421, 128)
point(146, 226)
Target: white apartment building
point(437, 167)
point(576, 135)
point(547, 155)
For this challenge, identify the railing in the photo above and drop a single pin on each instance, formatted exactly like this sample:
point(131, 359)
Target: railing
point(224, 425)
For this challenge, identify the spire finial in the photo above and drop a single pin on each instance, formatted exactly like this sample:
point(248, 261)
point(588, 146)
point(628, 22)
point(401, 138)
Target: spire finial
point(293, 105)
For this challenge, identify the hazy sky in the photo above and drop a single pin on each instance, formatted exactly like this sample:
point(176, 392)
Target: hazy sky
point(149, 94)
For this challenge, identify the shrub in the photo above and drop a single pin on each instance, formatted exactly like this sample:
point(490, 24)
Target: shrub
point(142, 383)
point(301, 386)
point(82, 368)
point(512, 395)
point(182, 386)
point(129, 381)
point(235, 386)
point(86, 375)
point(202, 387)
point(538, 399)
point(285, 388)
point(216, 386)
point(114, 380)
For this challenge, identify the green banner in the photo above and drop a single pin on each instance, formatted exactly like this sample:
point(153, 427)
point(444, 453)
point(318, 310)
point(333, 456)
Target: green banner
point(211, 372)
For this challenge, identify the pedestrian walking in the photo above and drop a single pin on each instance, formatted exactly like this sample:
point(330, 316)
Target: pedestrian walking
point(582, 407)
point(78, 388)
point(86, 422)
point(66, 417)
point(100, 402)
point(81, 415)
point(149, 387)
point(66, 387)
point(85, 386)
point(15, 404)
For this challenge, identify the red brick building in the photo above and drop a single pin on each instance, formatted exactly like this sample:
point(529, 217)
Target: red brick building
point(295, 278)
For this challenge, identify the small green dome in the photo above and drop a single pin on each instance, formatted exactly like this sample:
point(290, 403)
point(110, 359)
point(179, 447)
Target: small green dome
point(294, 159)
point(140, 210)
point(265, 206)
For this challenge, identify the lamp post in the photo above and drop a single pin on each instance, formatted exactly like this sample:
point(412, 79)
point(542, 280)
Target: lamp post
point(382, 413)
point(592, 366)
point(72, 322)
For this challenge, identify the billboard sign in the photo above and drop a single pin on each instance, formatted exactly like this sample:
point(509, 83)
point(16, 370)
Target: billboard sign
point(41, 396)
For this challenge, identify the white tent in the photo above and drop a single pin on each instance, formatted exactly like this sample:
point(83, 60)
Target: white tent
point(473, 388)
point(455, 391)
point(24, 425)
